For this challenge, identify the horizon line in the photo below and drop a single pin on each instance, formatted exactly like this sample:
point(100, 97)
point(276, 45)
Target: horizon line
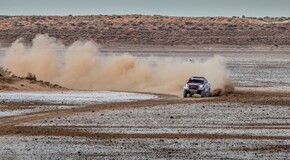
point(160, 15)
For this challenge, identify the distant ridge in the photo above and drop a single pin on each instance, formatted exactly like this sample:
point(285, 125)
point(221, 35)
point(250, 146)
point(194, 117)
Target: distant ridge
point(149, 30)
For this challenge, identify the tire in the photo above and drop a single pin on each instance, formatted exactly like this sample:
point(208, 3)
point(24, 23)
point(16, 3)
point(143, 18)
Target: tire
point(208, 93)
point(184, 93)
point(203, 94)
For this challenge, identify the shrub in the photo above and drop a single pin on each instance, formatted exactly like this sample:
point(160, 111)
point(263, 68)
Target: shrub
point(46, 83)
point(31, 76)
point(80, 24)
point(188, 23)
point(4, 72)
point(261, 19)
point(205, 28)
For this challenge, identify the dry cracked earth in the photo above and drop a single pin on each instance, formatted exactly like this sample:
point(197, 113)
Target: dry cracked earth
point(251, 123)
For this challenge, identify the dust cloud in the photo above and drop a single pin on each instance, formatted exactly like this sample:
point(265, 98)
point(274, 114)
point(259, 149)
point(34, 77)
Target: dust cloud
point(81, 66)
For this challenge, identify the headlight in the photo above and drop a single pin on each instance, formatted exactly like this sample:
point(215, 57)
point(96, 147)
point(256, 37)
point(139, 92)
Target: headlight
point(200, 86)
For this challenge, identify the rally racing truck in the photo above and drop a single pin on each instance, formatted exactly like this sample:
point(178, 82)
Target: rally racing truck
point(196, 85)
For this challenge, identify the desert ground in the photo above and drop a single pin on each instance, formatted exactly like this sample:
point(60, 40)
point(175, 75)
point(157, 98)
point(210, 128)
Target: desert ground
point(253, 122)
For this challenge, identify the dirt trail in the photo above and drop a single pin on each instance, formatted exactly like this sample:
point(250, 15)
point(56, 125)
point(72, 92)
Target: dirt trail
point(9, 123)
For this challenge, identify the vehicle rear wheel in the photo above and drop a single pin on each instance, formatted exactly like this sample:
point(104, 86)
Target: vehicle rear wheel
point(184, 93)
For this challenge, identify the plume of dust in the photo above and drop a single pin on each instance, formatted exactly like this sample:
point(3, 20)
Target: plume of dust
point(82, 67)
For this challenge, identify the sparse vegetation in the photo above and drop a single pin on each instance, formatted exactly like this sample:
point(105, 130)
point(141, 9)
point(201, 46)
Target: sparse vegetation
point(7, 78)
point(4, 72)
point(163, 30)
point(261, 19)
point(31, 76)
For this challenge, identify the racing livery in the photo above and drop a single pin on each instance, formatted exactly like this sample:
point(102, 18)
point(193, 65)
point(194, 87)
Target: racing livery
point(197, 85)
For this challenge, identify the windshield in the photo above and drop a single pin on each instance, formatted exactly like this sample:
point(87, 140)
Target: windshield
point(196, 81)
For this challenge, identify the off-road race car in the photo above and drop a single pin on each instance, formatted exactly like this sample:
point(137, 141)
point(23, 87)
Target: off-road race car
point(197, 85)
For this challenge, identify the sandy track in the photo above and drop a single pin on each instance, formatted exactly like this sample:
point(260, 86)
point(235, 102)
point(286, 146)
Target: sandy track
point(18, 119)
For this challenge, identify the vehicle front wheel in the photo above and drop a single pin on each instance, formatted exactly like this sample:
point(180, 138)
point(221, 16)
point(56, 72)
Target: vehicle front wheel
point(203, 94)
point(184, 93)
point(208, 93)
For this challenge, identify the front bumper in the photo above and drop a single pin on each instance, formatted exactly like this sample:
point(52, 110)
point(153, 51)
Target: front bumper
point(197, 88)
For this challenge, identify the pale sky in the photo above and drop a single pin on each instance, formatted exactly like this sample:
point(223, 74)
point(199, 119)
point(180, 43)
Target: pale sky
point(190, 8)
